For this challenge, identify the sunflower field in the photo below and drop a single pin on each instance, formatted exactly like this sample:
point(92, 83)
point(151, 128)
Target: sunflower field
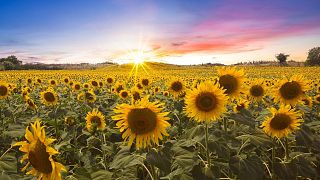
point(171, 122)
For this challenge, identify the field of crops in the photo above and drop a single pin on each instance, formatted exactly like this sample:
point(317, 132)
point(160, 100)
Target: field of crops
point(157, 122)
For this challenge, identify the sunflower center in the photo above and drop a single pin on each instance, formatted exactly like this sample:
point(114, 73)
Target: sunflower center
point(142, 120)
point(3, 90)
point(176, 86)
point(136, 96)
point(280, 121)
point(290, 90)
point(124, 94)
point(109, 80)
point(318, 98)
point(145, 82)
point(228, 82)
point(256, 91)
point(206, 101)
point(49, 97)
point(96, 120)
point(39, 158)
point(66, 80)
point(77, 86)
point(53, 82)
point(94, 83)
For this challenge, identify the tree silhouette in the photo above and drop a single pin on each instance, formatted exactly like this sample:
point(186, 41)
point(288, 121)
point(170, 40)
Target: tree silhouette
point(282, 58)
point(313, 57)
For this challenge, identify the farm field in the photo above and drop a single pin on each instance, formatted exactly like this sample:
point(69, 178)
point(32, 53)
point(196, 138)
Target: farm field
point(157, 121)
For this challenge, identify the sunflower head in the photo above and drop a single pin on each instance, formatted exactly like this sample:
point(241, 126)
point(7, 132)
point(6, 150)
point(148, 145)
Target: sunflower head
point(90, 96)
point(256, 90)
point(94, 83)
point(145, 82)
point(291, 91)
point(206, 103)
point(39, 154)
point(31, 103)
point(143, 122)
point(52, 82)
point(136, 94)
point(4, 90)
point(124, 94)
point(231, 80)
point(66, 80)
point(77, 86)
point(282, 122)
point(86, 85)
point(49, 97)
point(95, 120)
point(110, 80)
point(241, 104)
point(176, 87)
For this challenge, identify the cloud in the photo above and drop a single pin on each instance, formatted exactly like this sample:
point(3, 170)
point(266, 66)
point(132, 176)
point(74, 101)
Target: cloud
point(178, 44)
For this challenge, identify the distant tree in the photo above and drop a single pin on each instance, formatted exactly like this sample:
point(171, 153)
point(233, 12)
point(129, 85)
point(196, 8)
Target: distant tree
point(313, 57)
point(10, 63)
point(282, 58)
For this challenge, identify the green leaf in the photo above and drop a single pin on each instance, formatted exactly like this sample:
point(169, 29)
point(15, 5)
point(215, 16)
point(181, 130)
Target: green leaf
point(161, 159)
point(8, 163)
point(124, 159)
point(101, 175)
point(82, 173)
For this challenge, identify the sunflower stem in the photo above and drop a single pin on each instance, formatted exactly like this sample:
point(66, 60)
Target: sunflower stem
point(206, 140)
point(286, 145)
point(225, 127)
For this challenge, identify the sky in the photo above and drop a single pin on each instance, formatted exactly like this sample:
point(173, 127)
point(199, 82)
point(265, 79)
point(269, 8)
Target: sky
point(171, 31)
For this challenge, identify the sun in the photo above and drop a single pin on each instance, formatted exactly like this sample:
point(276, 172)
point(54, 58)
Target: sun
point(138, 58)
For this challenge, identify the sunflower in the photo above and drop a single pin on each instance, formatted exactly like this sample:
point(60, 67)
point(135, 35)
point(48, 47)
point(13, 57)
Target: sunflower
point(86, 85)
point(176, 87)
point(165, 93)
point(95, 120)
point(207, 102)
point(136, 94)
point(77, 86)
point(94, 83)
point(52, 82)
point(4, 90)
point(39, 153)
point(241, 104)
point(291, 91)
point(145, 82)
point(143, 122)
point(124, 94)
point(66, 80)
point(31, 103)
point(231, 80)
point(256, 90)
point(91, 96)
point(307, 101)
point(282, 122)
point(29, 81)
point(49, 97)
point(110, 80)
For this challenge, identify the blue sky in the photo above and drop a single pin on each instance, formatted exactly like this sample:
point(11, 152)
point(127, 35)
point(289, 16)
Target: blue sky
point(174, 31)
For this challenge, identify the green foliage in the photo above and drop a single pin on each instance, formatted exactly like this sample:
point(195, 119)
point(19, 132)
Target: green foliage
point(313, 58)
point(282, 58)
